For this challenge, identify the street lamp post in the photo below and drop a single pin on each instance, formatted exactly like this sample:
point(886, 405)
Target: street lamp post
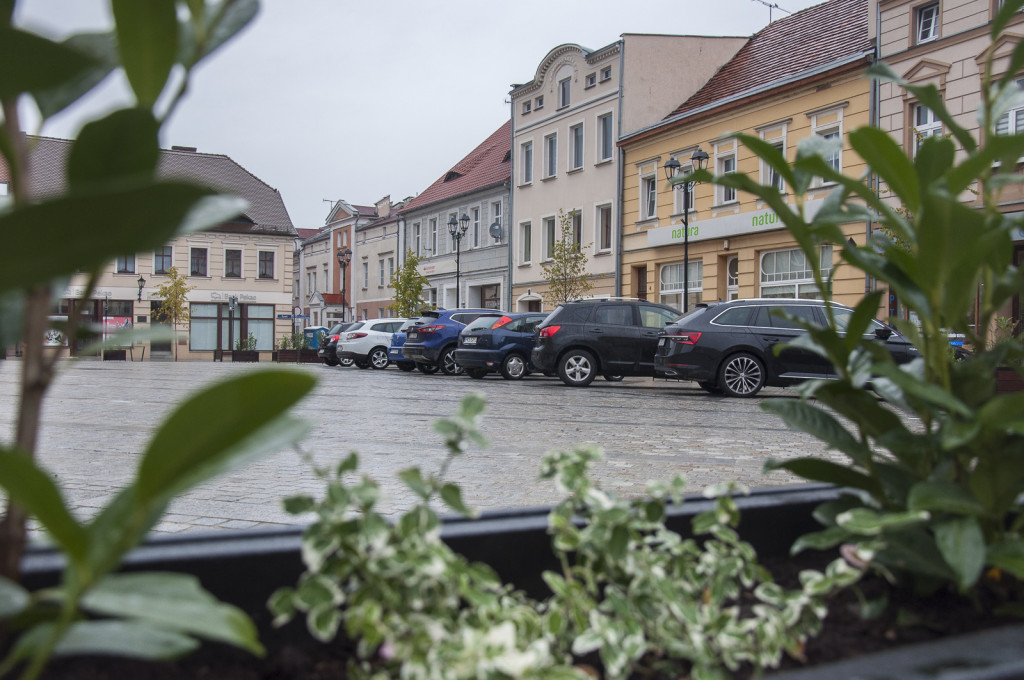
point(344, 257)
point(142, 284)
point(699, 161)
point(457, 229)
point(232, 303)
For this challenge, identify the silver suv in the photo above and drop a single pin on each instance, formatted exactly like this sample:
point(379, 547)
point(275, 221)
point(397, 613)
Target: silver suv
point(366, 343)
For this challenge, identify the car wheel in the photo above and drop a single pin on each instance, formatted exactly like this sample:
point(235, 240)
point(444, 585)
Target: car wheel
point(427, 369)
point(406, 366)
point(379, 358)
point(576, 368)
point(476, 373)
point(513, 367)
point(614, 378)
point(742, 375)
point(347, 361)
point(328, 362)
point(709, 386)
point(362, 363)
point(448, 364)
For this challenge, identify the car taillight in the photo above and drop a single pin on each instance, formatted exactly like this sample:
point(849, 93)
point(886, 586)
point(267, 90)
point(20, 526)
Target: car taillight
point(685, 338)
point(334, 338)
point(355, 336)
point(549, 331)
point(430, 329)
point(501, 322)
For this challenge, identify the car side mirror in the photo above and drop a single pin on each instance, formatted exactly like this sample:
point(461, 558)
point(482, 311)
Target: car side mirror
point(883, 333)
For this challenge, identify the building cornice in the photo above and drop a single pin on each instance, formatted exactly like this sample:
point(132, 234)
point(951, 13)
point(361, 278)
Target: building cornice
point(559, 55)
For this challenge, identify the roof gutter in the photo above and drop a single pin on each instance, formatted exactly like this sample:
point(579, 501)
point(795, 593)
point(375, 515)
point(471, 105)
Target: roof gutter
point(747, 94)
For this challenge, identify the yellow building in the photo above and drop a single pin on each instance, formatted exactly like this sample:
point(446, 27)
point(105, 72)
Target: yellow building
point(800, 76)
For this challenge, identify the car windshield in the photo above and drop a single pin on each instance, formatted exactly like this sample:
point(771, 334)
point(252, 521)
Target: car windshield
point(355, 326)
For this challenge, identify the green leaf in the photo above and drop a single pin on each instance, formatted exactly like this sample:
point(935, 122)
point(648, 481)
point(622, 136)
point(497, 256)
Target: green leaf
point(962, 545)
point(173, 602)
point(413, 478)
point(147, 38)
point(13, 598)
point(818, 470)
point(102, 47)
point(323, 621)
point(870, 523)
point(125, 144)
point(1008, 555)
point(451, 494)
point(297, 505)
point(805, 417)
point(34, 491)
point(236, 16)
point(214, 428)
point(73, 221)
point(886, 158)
point(820, 540)
point(36, 64)
point(131, 639)
point(944, 497)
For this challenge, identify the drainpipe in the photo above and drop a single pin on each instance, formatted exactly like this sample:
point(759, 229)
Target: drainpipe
point(618, 180)
point(510, 216)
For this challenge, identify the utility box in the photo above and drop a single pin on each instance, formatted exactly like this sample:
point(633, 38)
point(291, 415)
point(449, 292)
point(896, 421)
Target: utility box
point(313, 335)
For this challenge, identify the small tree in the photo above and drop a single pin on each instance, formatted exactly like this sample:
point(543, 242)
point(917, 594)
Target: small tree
point(408, 284)
point(173, 307)
point(566, 271)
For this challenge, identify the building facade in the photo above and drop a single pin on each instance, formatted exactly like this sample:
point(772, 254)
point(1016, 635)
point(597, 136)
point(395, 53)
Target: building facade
point(376, 244)
point(782, 87)
point(566, 122)
point(471, 271)
point(240, 272)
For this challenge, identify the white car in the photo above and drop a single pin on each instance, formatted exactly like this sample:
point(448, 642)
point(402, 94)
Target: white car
point(367, 342)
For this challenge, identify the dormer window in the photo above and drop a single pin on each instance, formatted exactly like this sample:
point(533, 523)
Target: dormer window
point(538, 103)
point(526, 107)
point(563, 92)
point(591, 80)
point(606, 73)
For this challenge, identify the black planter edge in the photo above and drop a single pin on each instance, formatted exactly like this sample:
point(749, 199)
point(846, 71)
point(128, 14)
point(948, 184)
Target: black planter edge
point(515, 543)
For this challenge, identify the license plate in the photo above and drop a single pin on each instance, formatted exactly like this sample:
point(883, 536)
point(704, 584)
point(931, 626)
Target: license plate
point(469, 341)
point(662, 342)
point(411, 336)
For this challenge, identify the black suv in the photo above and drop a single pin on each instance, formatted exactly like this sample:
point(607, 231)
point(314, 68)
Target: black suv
point(611, 337)
point(729, 347)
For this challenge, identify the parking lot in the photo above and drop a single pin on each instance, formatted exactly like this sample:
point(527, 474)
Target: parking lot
point(99, 416)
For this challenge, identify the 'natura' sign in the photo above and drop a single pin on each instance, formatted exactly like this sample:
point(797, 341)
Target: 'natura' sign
point(724, 227)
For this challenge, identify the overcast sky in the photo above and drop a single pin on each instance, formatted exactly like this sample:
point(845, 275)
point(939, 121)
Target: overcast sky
point(329, 99)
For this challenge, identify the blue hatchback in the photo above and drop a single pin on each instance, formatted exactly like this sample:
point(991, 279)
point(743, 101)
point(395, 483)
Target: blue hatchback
point(395, 348)
point(432, 342)
point(500, 342)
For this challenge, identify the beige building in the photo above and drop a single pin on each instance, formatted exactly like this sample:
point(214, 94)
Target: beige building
point(565, 125)
point(240, 271)
point(782, 87)
point(945, 43)
point(376, 246)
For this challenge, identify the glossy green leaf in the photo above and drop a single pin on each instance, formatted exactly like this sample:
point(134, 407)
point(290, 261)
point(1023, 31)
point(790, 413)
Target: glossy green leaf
point(1008, 555)
point(962, 544)
point(886, 158)
point(214, 428)
point(102, 47)
point(74, 221)
point(805, 417)
point(35, 492)
point(131, 639)
point(13, 598)
point(40, 63)
point(870, 523)
point(147, 37)
point(123, 145)
point(1004, 412)
point(817, 470)
point(12, 316)
point(174, 602)
point(451, 494)
point(949, 497)
point(913, 549)
point(820, 540)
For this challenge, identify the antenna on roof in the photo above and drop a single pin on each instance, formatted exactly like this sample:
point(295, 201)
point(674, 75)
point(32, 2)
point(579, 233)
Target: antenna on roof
point(771, 6)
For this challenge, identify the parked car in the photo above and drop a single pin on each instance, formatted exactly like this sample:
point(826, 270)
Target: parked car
point(729, 347)
point(395, 347)
point(432, 343)
point(366, 343)
point(611, 337)
point(328, 351)
point(498, 342)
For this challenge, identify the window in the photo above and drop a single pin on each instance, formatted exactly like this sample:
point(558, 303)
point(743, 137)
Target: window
point(672, 284)
point(233, 263)
point(787, 274)
point(162, 259)
point(925, 125)
point(1012, 122)
point(604, 227)
point(266, 266)
point(416, 238)
point(126, 264)
point(606, 140)
point(590, 81)
point(380, 273)
point(259, 321)
point(549, 237)
point(577, 229)
point(606, 73)
point(682, 196)
point(726, 164)
point(538, 103)
point(526, 106)
point(525, 243)
point(563, 92)
point(649, 197)
point(452, 217)
point(576, 146)
point(613, 315)
point(732, 278)
point(551, 155)
point(928, 22)
point(526, 158)
point(432, 236)
point(496, 217)
point(391, 270)
point(202, 331)
point(366, 275)
point(198, 262)
point(476, 227)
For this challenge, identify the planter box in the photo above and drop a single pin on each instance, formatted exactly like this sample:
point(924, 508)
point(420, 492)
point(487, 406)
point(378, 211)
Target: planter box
point(1008, 381)
point(244, 568)
point(245, 355)
point(115, 355)
point(296, 356)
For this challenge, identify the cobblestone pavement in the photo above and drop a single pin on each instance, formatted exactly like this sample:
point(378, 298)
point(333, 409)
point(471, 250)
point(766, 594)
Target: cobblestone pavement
point(99, 415)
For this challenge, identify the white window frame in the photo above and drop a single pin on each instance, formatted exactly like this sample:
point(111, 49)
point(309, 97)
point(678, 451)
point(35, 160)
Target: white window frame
point(725, 162)
point(125, 264)
point(670, 283)
point(776, 136)
point(648, 195)
point(564, 92)
point(576, 147)
point(432, 235)
point(366, 275)
point(590, 81)
point(823, 126)
point(787, 271)
point(526, 162)
point(606, 73)
point(605, 138)
point(576, 219)
point(417, 235)
point(1016, 114)
point(538, 103)
point(476, 227)
point(930, 127)
point(550, 155)
point(926, 23)
point(549, 231)
point(496, 214)
point(526, 106)
point(732, 281)
point(604, 225)
point(525, 242)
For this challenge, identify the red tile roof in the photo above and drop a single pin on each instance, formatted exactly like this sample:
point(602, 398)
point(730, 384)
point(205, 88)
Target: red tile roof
point(306, 233)
point(486, 165)
point(333, 298)
point(812, 38)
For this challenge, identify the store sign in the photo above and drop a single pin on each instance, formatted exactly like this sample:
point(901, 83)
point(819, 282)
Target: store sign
point(724, 227)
